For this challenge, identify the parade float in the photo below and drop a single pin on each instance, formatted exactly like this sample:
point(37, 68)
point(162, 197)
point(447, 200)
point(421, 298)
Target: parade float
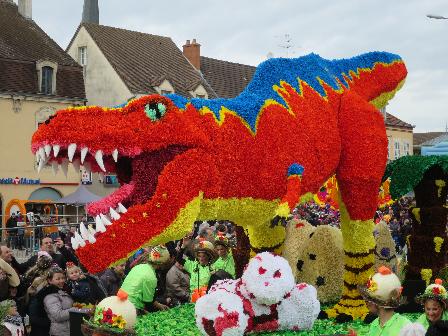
point(249, 159)
point(427, 177)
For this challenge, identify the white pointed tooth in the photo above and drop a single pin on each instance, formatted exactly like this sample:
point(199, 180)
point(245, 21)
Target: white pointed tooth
point(91, 229)
point(90, 238)
point(113, 214)
point(79, 239)
point(56, 149)
point(99, 224)
point(121, 208)
point(71, 151)
point(42, 153)
point(76, 165)
point(41, 165)
point(115, 155)
point(99, 159)
point(47, 149)
point(64, 166)
point(55, 166)
point(75, 244)
point(83, 230)
point(105, 220)
point(83, 154)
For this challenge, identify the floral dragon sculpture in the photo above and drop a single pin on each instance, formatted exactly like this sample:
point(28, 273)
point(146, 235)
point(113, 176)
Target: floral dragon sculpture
point(248, 159)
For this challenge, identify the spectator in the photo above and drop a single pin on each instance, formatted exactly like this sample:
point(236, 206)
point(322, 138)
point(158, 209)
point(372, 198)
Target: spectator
point(84, 288)
point(61, 255)
point(141, 282)
point(36, 277)
point(112, 279)
point(57, 303)
point(225, 260)
point(199, 269)
point(11, 321)
point(8, 278)
point(177, 282)
point(11, 224)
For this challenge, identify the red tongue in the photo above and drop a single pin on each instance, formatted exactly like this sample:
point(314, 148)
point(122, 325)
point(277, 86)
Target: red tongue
point(111, 201)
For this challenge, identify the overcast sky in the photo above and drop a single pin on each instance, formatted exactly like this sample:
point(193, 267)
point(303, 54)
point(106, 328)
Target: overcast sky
point(245, 31)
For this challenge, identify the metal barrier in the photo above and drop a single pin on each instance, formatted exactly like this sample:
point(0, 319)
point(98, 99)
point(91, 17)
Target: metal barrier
point(16, 238)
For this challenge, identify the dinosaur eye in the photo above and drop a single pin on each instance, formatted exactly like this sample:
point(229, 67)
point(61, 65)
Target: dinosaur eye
point(155, 111)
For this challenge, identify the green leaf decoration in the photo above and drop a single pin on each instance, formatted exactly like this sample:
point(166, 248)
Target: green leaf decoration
point(406, 172)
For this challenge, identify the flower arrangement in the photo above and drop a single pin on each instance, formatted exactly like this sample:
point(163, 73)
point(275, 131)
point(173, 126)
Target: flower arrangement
point(237, 159)
point(438, 241)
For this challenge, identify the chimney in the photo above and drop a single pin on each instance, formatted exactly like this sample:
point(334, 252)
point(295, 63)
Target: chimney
point(90, 12)
point(192, 51)
point(25, 8)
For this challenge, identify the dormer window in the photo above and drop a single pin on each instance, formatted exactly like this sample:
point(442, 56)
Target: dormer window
point(47, 80)
point(46, 73)
point(164, 88)
point(199, 92)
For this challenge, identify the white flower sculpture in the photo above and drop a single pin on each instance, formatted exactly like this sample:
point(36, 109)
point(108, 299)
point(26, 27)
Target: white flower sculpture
point(266, 298)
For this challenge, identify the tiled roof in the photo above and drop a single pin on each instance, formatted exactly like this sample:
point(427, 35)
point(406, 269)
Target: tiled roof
point(420, 138)
point(226, 78)
point(22, 43)
point(144, 60)
point(393, 121)
point(431, 142)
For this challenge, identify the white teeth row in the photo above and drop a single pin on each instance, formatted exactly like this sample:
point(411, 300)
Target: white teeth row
point(44, 152)
point(101, 221)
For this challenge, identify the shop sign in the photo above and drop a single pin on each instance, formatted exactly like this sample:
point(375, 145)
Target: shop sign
point(19, 180)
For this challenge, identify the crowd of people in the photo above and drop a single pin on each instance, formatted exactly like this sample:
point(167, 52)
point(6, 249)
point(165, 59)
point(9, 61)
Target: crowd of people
point(39, 294)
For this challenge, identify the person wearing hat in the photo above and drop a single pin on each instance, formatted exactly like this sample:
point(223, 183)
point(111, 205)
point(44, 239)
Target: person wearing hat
point(141, 282)
point(198, 268)
point(384, 290)
point(225, 260)
point(434, 299)
point(11, 322)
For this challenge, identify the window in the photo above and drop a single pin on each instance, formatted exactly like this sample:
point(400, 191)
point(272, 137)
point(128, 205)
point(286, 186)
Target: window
point(165, 92)
point(200, 96)
point(406, 148)
point(46, 72)
point(397, 149)
point(82, 55)
point(47, 80)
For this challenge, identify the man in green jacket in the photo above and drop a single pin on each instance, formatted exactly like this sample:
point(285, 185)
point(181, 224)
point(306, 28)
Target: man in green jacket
point(225, 260)
point(141, 282)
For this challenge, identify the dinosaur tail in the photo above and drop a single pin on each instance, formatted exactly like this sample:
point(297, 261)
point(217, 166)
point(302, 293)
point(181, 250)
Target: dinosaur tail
point(375, 76)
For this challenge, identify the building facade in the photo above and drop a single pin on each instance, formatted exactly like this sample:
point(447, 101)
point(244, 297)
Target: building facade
point(37, 78)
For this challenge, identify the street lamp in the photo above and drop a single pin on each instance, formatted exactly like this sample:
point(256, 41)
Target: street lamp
point(437, 17)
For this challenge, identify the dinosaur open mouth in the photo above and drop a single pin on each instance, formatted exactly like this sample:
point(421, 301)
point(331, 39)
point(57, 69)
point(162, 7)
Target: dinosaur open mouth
point(137, 174)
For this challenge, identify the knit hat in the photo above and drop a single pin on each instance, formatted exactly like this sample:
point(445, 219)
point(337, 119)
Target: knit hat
point(221, 239)
point(436, 292)
point(206, 247)
point(383, 288)
point(159, 255)
point(4, 308)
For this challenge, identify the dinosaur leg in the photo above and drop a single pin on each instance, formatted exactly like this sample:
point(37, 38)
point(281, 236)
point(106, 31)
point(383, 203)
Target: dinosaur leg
point(168, 215)
point(363, 160)
point(292, 196)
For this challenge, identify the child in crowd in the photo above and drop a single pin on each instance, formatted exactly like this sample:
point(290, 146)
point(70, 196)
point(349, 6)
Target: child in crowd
point(11, 321)
point(84, 288)
point(57, 303)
